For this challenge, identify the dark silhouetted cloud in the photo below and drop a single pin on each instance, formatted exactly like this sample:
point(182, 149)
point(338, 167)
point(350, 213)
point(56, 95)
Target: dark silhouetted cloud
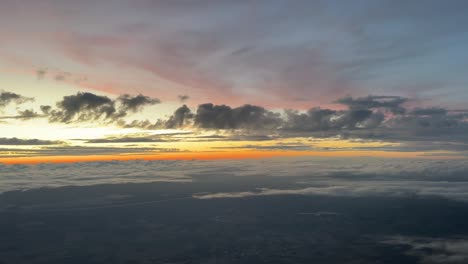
point(181, 117)
point(225, 117)
point(317, 119)
point(83, 107)
point(369, 117)
point(24, 115)
point(133, 104)
point(28, 114)
point(428, 111)
point(9, 97)
point(392, 103)
point(45, 109)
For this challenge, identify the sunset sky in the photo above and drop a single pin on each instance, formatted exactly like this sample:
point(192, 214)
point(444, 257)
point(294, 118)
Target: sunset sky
point(121, 80)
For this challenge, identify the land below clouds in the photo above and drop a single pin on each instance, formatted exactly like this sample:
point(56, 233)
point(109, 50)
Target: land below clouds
point(164, 222)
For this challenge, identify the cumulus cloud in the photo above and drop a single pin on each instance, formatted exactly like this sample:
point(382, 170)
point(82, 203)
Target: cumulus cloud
point(391, 103)
point(317, 119)
point(363, 113)
point(369, 117)
point(45, 109)
point(224, 117)
point(181, 117)
point(314, 119)
point(9, 97)
point(85, 106)
point(135, 103)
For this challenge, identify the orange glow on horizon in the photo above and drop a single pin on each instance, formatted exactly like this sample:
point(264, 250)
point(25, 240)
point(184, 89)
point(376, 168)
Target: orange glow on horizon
point(222, 155)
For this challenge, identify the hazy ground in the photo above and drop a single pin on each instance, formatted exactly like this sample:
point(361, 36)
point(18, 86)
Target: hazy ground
point(168, 222)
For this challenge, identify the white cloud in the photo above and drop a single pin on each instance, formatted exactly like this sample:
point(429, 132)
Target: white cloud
point(450, 190)
point(435, 250)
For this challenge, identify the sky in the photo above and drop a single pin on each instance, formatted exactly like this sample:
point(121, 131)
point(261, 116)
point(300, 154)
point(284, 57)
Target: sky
point(181, 80)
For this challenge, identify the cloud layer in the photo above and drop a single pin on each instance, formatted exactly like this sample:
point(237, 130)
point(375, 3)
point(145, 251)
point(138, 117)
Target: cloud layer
point(370, 117)
point(351, 177)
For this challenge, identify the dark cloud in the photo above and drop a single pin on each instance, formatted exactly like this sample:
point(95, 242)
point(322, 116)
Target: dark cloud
point(317, 119)
point(83, 107)
point(28, 114)
point(225, 117)
point(210, 116)
point(181, 117)
point(18, 141)
point(24, 114)
point(426, 124)
point(363, 113)
point(374, 120)
point(428, 111)
point(134, 104)
point(183, 98)
point(428, 120)
point(45, 109)
point(9, 97)
point(352, 118)
point(370, 117)
point(391, 103)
